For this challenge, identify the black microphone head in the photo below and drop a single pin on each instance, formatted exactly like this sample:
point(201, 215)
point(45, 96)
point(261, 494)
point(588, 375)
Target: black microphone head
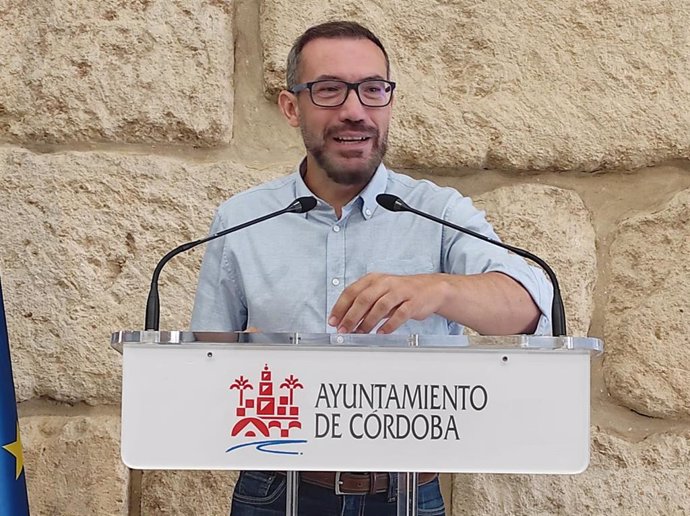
point(301, 205)
point(391, 202)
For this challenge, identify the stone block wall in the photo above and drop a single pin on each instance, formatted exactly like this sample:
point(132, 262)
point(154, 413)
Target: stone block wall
point(123, 124)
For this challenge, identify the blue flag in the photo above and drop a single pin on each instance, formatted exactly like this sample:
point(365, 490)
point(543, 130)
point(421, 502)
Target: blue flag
point(13, 497)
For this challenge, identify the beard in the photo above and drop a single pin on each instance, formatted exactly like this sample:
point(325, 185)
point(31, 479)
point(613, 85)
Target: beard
point(346, 167)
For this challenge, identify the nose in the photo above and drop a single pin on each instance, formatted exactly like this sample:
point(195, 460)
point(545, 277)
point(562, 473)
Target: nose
point(352, 110)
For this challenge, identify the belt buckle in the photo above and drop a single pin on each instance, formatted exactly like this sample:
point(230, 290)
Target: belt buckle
point(337, 489)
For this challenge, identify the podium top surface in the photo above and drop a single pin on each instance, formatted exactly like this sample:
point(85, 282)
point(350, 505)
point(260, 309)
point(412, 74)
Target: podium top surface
point(510, 342)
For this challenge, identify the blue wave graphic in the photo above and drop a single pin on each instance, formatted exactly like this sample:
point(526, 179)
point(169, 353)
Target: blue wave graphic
point(264, 446)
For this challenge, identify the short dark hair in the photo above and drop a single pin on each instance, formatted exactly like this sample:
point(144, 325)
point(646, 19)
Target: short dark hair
point(329, 30)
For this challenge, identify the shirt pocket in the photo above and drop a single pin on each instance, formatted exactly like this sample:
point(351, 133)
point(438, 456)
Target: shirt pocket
point(403, 267)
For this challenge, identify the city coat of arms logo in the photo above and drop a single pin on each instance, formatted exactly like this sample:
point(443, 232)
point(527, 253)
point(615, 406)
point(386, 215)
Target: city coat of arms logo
point(268, 418)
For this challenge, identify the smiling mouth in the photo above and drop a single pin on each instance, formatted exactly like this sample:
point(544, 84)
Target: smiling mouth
point(351, 139)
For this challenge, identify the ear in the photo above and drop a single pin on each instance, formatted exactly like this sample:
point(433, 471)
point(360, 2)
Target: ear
point(287, 102)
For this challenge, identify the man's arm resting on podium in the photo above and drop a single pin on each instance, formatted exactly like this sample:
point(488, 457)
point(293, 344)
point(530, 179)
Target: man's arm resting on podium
point(491, 303)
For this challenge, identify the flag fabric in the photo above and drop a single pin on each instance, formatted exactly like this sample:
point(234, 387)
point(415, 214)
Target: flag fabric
point(13, 496)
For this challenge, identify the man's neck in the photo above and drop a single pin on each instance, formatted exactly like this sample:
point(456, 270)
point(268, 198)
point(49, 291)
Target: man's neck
point(335, 194)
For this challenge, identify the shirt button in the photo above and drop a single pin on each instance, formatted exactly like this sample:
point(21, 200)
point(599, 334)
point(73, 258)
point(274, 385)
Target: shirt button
point(335, 281)
point(367, 212)
point(336, 228)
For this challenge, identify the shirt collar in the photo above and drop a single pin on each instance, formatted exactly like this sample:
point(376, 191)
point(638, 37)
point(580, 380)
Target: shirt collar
point(376, 186)
point(301, 188)
point(368, 204)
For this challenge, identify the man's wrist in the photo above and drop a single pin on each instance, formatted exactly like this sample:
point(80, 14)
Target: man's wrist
point(444, 291)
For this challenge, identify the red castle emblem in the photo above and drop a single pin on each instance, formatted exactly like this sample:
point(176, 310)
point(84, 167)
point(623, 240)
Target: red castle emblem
point(266, 411)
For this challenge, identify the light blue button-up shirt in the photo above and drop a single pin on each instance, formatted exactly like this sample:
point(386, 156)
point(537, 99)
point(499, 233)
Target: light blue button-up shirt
point(285, 274)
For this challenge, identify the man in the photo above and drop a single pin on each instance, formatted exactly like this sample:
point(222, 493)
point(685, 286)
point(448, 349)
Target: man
point(349, 265)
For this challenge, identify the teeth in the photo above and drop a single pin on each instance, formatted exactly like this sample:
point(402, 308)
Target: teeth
point(360, 139)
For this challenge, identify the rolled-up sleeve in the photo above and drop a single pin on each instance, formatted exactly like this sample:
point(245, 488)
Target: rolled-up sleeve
point(465, 254)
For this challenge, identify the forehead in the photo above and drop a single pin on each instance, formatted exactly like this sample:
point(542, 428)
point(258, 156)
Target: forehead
point(344, 58)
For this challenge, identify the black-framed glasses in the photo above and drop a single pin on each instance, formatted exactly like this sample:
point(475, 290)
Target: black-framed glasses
point(333, 93)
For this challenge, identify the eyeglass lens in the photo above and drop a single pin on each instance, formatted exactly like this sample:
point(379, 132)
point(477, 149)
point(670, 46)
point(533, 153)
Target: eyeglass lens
point(333, 93)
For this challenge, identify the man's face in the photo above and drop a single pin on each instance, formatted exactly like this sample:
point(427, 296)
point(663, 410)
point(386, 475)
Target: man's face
point(346, 142)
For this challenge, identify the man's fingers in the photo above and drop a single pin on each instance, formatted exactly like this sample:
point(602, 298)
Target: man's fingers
point(351, 306)
point(343, 304)
point(397, 318)
point(360, 308)
point(380, 311)
point(382, 297)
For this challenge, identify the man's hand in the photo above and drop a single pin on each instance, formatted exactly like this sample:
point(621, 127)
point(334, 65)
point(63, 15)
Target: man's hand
point(376, 297)
point(490, 303)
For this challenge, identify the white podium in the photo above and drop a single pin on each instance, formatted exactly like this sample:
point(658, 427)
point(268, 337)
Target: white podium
point(366, 403)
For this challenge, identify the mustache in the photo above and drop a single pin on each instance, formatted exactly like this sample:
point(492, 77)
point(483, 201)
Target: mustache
point(358, 127)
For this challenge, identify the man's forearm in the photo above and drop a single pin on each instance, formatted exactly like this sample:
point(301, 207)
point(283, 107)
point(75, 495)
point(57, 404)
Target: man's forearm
point(491, 303)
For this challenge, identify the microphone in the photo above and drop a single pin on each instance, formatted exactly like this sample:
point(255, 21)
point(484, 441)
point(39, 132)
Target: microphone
point(299, 205)
point(558, 324)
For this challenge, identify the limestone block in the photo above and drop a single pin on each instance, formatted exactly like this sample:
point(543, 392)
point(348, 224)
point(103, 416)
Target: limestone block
point(187, 493)
point(82, 233)
point(624, 478)
point(73, 465)
point(647, 360)
point(141, 71)
point(554, 224)
point(519, 85)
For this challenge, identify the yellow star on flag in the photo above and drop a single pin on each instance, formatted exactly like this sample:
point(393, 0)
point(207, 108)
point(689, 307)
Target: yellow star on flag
point(15, 449)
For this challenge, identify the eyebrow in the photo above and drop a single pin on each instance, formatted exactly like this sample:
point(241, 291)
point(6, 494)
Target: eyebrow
point(336, 78)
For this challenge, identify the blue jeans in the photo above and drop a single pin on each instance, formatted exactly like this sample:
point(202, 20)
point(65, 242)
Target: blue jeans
point(262, 493)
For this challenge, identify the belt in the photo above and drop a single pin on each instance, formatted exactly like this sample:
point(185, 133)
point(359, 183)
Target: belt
point(356, 483)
